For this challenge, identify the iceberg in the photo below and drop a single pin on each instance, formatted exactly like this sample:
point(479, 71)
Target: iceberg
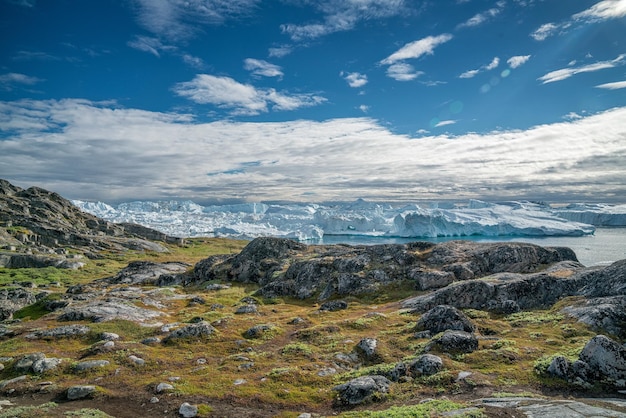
point(312, 221)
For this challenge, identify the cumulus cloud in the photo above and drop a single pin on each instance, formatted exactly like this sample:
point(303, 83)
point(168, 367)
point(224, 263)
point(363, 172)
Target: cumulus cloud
point(403, 72)
point(565, 73)
point(241, 99)
point(487, 67)
point(415, 49)
point(341, 15)
point(517, 60)
point(87, 150)
point(544, 31)
point(178, 20)
point(613, 86)
point(354, 80)
point(262, 68)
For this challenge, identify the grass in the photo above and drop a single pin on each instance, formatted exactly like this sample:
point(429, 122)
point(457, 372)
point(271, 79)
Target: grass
point(423, 410)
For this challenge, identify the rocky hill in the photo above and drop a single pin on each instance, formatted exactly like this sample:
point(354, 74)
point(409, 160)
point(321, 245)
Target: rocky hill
point(274, 327)
point(41, 222)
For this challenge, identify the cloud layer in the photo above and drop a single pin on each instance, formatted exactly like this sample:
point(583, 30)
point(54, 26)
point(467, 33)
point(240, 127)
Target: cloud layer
point(100, 151)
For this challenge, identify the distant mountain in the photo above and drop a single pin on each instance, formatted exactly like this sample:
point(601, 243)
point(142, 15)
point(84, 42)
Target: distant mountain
point(37, 220)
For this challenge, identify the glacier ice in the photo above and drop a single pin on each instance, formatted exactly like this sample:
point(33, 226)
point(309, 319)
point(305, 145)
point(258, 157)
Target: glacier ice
point(311, 221)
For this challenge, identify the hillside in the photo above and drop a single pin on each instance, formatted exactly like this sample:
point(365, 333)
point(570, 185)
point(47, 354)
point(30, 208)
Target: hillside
point(273, 327)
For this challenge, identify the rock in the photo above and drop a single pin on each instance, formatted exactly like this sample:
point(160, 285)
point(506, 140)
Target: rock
point(217, 286)
point(238, 382)
point(12, 300)
point(43, 365)
point(136, 360)
point(9, 382)
point(154, 399)
point(456, 342)
point(362, 389)
point(442, 318)
point(25, 364)
point(187, 410)
point(605, 358)
point(200, 330)
point(164, 387)
point(601, 313)
point(367, 348)
point(399, 371)
point(108, 336)
point(258, 331)
point(334, 305)
point(246, 309)
point(66, 331)
point(90, 364)
point(146, 272)
point(102, 310)
point(426, 364)
point(80, 392)
point(151, 340)
point(559, 367)
point(426, 280)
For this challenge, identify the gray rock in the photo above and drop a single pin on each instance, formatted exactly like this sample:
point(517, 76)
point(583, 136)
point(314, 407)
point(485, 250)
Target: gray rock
point(164, 387)
point(109, 336)
point(90, 364)
point(399, 371)
point(560, 367)
point(367, 347)
point(187, 410)
point(426, 364)
point(605, 357)
point(151, 340)
point(101, 310)
point(362, 389)
point(601, 313)
point(442, 318)
point(455, 342)
point(430, 279)
point(25, 364)
point(246, 309)
point(66, 331)
point(43, 365)
point(258, 331)
point(334, 305)
point(146, 272)
point(80, 392)
point(200, 330)
point(9, 382)
point(12, 300)
point(136, 360)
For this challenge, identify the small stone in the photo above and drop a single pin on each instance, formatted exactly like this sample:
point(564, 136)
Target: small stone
point(334, 305)
point(246, 309)
point(46, 364)
point(80, 392)
point(463, 375)
point(109, 336)
point(154, 399)
point(327, 371)
point(151, 341)
point(239, 382)
point(164, 387)
point(108, 345)
point(90, 364)
point(8, 382)
point(187, 410)
point(136, 360)
point(304, 415)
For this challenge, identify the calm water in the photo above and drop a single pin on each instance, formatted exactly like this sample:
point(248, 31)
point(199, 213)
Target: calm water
point(604, 247)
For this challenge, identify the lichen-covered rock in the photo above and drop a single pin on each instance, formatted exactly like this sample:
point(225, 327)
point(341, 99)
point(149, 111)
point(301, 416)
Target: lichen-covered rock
point(90, 364)
point(362, 389)
point(455, 342)
point(605, 357)
point(334, 305)
point(442, 318)
point(426, 364)
point(601, 313)
point(66, 331)
point(146, 272)
point(80, 392)
point(367, 348)
point(258, 331)
point(200, 330)
point(25, 364)
point(430, 279)
point(187, 410)
point(102, 310)
point(12, 300)
point(560, 367)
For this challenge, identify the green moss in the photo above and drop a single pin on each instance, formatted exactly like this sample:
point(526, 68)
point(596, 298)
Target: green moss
point(297, 348)
point(88, 413)
point(28, 411)
point(423, 410)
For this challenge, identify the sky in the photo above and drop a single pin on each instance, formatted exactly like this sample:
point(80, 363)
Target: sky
point(327, 100)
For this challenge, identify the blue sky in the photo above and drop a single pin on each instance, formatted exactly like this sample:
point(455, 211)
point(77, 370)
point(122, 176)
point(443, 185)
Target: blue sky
point(231, 100)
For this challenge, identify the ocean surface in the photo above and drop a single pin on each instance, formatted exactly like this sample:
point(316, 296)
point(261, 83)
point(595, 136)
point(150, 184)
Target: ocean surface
point(604, 247)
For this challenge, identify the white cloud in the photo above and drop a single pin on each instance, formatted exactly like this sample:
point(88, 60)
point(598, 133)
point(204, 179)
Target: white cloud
point(193, 61)
point(10, 80)
point(444, 123)
point(178, 20)
point(262, 68)
point(280, 51)
point(613, 86)
point(544, 31)
point(86, 150)
point(151, 45)
point(604, 10)
point(364, 108)
point(416, 49)
point(517, 60)
point(487, 67)
point(354, 80)
point(403, 72)
point(480, 18)
point(342, 15)
point(241, 99)
point(565, 73)
point(601, 11)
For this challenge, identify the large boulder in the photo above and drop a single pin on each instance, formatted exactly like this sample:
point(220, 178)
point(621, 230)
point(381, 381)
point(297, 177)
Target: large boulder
point(605, 357)
point(455, 342)
point(426, 364)
point(146, 272)
point(362, 389)
point(601, 314)
point(442, 318)
point(200, 330)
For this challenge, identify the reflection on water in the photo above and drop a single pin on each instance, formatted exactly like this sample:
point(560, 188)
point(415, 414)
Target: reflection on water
point(604, 247)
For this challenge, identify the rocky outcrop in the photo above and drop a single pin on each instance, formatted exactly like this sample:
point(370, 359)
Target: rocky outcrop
point(43, 221)
point(362, 389)
point(283, 267)
point(12, 300)
point(147, 273)
point(442, 318)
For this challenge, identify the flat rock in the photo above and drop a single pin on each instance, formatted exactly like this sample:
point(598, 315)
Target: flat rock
point(194, 331)
point(146, 272)
point(80, 392)
point(60, 332)
point(107, 310)
point(90, 364)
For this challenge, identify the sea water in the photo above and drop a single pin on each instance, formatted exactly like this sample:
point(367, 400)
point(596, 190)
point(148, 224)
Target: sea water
point(604, 247)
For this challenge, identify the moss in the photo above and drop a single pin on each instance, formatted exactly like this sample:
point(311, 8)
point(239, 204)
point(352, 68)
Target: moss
point(297, 349)
point(28, 411)
point(88, 413)
point(423, 410)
